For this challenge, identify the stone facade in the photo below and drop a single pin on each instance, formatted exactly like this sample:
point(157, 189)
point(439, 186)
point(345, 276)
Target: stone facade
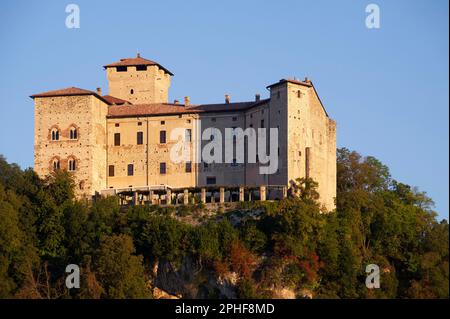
point(124, 139)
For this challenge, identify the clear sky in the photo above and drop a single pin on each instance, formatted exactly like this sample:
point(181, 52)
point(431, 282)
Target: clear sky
point(387, 88)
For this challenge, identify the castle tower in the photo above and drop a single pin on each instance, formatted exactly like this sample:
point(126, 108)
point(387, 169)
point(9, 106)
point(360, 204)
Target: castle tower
point(307, 137)
point(70, 134)
point(138, 80)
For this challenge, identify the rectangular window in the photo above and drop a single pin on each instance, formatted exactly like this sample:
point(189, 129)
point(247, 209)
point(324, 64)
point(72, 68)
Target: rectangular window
point(210, 180)
point(188, 135)
point(116, 139)
point(140, 138)
point(130, 169)
point(234, 119)
point(162, 168)
point(121, 69)
point(162, 137)
point(139, 123)
point(141, 68)
point(262, 123)
point(307, 162)
point(188, 167)
point(111, 170)
point(163, 122)
point(117, 125)
point(234, 162)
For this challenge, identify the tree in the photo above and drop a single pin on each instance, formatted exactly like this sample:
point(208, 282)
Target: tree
point(120, 272)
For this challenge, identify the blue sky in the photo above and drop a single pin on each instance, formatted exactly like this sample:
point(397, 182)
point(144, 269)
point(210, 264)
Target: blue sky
point(387, 88)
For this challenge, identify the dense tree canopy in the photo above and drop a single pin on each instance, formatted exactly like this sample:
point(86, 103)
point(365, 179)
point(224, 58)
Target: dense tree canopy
point(260, 248)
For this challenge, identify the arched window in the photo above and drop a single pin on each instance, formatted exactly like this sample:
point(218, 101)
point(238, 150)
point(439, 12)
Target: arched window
point(56, 164)
point(72, 165)
point(55, 134)
point(73, 133)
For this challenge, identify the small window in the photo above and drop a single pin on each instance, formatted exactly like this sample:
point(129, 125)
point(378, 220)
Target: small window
point(121, 69)
point(205, 165)
point(234, 162)
point(213, 119)
point(162, 137)
point(116, 139)
point(72, 165)
point(140, 138)
point(73, 134)
point(130, 169)
point(262, 123)
point(210, 180)
point(141, 68)
point(234, 118)
point(163, 122)
point(188, 167)
point(188, 135)
point(131, 91)
point(111, 170)
point(278, 94)
point(55, 134)
point(139, 123)
point(299, 94)
point(251, 125)
point(162, 168)
point(56, 164)
point(117, 125)
point(188, 121)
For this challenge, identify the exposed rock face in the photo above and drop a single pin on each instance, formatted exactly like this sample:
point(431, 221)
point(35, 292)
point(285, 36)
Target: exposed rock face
point(161, 294)
point(283, 293)
point(189, 279)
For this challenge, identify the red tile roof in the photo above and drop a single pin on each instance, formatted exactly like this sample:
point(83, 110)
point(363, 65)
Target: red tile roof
point(305, 83)
point(173, 109)
point(145, 109)
point(71, 91)
point(135, 61)
point(114, 100)
point(63, 92)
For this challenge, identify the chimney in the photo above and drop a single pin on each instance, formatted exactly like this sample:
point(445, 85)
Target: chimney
point(257, 97)
point(175, 101)
point(227, 98)
point(307, 80)
point(99, 91)
point(138, 55)
point(186, 101)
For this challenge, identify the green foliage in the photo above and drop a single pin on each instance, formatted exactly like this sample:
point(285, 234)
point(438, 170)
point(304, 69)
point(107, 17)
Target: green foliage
point(270, 245)
point(162, 237)
point(120, 271)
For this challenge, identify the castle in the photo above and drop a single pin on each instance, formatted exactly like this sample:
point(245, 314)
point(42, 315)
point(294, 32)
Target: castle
point(121, 143)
